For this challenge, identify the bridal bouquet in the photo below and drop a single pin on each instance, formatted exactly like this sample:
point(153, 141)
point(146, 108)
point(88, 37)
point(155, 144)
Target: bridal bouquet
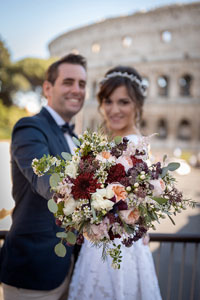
point(108, 190)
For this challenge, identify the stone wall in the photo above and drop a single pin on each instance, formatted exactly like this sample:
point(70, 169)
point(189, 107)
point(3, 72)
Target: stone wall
point(164, 46)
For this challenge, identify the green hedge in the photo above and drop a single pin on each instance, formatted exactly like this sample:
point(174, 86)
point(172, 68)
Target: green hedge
point(8, 117)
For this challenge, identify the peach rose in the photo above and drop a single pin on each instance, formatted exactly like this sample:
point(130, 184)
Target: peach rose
point(119, 191)
point(130, 216)
point(125, 161)
point(105, 156)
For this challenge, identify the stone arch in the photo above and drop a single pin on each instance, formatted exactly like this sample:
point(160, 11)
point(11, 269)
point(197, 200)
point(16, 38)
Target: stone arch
point(184, 130)
point(162, 129)
point(185, 82)
point(163, 85)
point(146, 83)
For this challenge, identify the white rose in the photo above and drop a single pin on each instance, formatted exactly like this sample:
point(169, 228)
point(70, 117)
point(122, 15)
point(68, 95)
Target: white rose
point(159, 187)
point(71, 169)
point(101, 204)
point(69, 206)
point(109, 192)
point(98, 196)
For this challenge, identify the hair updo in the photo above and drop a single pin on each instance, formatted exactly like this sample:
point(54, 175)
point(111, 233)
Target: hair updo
point(135, 90)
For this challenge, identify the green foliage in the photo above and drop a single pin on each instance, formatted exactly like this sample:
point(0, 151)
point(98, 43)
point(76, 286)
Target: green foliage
point(118, 140)
point(61, 235)
point(54, 179)
point(170, 167)
point(8, 117)
point(52, 206)
point(33, 69)
point(160, 200)
point(24, 75)
point(71, 238)
point(76, 141)
point(66, 156)
point(60, 250)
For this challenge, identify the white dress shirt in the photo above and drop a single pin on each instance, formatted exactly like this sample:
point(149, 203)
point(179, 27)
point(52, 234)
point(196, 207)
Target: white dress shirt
point(59, 120)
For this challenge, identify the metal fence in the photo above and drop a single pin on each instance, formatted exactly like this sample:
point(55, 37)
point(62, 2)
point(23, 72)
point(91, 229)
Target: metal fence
point(177, 263)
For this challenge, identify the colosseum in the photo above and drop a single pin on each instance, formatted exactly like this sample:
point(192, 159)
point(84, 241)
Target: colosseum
point(163, 45)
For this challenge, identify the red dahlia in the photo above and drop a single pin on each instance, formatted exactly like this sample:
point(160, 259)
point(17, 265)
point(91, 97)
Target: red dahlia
point(84, 185)
point(116, 173)
point(135, 160)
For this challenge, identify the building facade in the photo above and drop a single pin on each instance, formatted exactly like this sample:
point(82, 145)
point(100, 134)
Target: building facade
point(164, 46)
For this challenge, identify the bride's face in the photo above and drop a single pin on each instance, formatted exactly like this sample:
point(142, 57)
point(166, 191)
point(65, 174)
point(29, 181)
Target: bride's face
point(119, 111)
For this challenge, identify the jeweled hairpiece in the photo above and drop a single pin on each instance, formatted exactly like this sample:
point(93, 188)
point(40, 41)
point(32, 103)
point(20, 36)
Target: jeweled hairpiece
point(132, 78)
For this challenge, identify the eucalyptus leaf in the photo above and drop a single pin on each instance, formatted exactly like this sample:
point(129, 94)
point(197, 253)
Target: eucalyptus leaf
point(76, 141)
point(62, 235)
point(66, 155)
point(52, 206)
point(173, 166)
point(154, 215)
point(71, 238)
point(118, 140)
point(54, 179)
point(160, 200)
point(164, 171)
point(60, 250)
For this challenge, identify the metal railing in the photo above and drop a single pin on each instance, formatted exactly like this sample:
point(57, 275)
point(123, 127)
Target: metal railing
point(188, 288)
point(184, 240)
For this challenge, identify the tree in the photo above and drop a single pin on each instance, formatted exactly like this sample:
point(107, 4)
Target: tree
point(6, 75)
point(25, 75)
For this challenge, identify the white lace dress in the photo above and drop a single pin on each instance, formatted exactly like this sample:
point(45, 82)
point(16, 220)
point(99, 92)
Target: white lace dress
point(94, 279)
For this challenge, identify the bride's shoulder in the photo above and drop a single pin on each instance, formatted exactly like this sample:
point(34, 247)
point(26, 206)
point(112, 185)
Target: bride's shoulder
point(134, 138)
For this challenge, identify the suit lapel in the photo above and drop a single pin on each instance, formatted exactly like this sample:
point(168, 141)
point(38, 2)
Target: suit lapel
point(59, 136)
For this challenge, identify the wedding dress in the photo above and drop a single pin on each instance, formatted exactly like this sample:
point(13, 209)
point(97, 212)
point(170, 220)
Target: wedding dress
point(94, 279)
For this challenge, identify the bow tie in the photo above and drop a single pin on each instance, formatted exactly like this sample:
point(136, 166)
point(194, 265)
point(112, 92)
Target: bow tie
point(68, 128)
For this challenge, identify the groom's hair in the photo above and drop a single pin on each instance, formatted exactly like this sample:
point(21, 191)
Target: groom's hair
point(75, 59)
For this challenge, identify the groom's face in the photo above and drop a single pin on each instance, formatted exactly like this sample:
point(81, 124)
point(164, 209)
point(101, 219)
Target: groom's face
point(66, 96)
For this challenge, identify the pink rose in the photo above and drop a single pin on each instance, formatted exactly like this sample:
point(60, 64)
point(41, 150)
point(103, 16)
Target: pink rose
point(159, 187)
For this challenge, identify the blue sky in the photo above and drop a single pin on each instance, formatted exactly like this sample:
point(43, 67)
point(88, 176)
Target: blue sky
point(27, 26)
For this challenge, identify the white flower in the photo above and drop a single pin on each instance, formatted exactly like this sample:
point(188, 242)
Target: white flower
point(69, 206)
point(159, 187)
point(71, 169)
point(105, 156)
point(100, 199)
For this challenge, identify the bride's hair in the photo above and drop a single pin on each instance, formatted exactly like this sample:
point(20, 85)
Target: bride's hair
point(131, 79)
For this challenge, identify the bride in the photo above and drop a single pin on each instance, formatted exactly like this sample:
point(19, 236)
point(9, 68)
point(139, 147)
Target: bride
point(121, 98)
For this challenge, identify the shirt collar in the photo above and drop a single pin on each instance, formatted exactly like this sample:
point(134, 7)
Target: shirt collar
point(58, 119)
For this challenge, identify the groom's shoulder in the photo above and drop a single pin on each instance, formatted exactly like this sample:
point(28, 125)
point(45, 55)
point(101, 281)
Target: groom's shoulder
point(37, 121)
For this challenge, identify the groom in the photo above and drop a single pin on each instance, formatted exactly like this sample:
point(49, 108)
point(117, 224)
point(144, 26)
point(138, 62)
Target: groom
point(29, 268)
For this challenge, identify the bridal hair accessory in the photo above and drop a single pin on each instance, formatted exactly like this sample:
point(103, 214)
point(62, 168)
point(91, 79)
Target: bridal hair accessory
point(108, 190)
point(132, 78)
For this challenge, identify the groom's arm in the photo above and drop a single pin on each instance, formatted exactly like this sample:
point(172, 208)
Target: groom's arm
point(29, 141)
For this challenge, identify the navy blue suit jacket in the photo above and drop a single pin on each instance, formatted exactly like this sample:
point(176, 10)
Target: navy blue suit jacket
point(27, 259)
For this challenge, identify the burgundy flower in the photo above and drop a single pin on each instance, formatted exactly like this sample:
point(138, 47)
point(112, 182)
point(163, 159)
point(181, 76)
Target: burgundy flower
point(121, 205)
point(116, 173)
point(112, 235)
point(111, 217)
point(84, 185)
point(136, 160)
